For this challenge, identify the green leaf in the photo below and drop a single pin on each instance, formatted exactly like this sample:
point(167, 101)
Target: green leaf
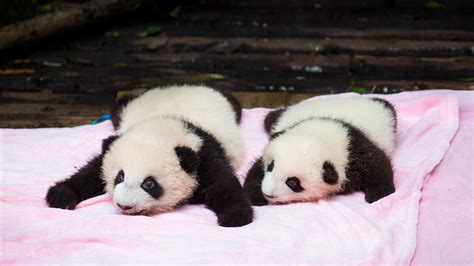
point(52, 64)
point(120, 65)
point(435, 4)
point(112, 33)
point(470, 79)
point(149, 31)
point(67, 62)
point(45, 9)
point(360, 90)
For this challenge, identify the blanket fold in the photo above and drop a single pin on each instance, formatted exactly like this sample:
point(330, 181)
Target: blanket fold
point(341, 229)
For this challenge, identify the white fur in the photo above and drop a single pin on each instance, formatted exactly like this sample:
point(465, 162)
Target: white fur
point(301, 152)
point(148, 150)
point(199, 105)
point(269, 183)
point(372, 117)
point(148, 134)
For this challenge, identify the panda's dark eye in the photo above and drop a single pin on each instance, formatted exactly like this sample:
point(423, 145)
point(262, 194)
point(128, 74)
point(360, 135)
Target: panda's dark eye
point(119, 178)
point(294, 184)
point(149, 184)
point(270, 166)
point(152, 187)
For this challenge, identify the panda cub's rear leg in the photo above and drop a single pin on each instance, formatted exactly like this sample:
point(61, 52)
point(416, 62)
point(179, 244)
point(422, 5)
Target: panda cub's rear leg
point(378, 177)
point(378, 185)
point(85, 183)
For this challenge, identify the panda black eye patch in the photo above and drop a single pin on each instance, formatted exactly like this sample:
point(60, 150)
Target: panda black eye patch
point(152, 187)
point(119, 178)
point(270, 166)
point(294, 184)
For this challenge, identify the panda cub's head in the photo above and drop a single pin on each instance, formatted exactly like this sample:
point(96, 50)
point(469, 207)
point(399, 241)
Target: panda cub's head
point(306, 162)
point(149, 170)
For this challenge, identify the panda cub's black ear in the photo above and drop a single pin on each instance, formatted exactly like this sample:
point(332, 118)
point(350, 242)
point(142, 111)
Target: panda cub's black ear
point(188, 159)
point(330, 175)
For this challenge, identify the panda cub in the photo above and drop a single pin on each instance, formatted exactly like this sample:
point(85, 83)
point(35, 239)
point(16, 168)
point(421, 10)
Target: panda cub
point(325, 147)
point(174, 145)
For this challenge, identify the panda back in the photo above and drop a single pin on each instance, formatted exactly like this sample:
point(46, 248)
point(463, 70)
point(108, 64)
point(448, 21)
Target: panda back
point(373, 118)
point(202, 106)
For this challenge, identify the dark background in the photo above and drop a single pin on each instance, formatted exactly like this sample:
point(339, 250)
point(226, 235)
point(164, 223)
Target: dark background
point(266, 52)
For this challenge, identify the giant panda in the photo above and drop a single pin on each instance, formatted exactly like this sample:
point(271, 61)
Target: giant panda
point(173, 145)
point(325, 147)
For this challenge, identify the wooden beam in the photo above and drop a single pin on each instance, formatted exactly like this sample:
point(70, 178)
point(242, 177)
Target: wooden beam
point(72, 17)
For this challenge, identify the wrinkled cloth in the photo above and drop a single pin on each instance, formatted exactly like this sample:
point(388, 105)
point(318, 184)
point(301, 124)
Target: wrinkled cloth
point(430, 212)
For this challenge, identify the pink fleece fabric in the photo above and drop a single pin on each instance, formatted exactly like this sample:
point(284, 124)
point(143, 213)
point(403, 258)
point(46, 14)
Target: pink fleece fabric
point(434, 127)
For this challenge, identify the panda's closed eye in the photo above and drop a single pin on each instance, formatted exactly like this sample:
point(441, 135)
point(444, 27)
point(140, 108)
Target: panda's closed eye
point(119, 178)
point(270, 166)
point(294, 184)
point(152, 187)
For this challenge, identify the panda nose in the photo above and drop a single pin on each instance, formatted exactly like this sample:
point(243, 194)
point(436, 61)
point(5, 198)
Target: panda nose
point(125, 208)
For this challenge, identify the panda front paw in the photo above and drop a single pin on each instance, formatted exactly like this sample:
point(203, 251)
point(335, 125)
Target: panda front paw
point(61, 196)
point(257, 199)
point(235, 216)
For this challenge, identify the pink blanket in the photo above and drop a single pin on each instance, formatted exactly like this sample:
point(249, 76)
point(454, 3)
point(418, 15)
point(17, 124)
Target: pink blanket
point(343, 229)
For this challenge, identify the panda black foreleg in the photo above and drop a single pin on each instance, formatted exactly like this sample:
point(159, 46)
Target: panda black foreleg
point(85, 183)
point(253, 184)
point(226, 197)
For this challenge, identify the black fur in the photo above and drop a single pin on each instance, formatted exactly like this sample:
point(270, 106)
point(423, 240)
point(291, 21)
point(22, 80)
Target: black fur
point(330, 175)
point(390, 107)
point(119, 178)
point(253, 184)
point(271, 119)
point(155, 190)
point(270, 166)
point(85, 183)
point(125, 100)
point(235, 105)
point(219, 189)
point(117, 109)
point(188, 159)
point(297, 184)
point(107, 142)
point(276, 134)
point(369, 168)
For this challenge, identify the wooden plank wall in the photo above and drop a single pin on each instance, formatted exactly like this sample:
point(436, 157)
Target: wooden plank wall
point(247, 47)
